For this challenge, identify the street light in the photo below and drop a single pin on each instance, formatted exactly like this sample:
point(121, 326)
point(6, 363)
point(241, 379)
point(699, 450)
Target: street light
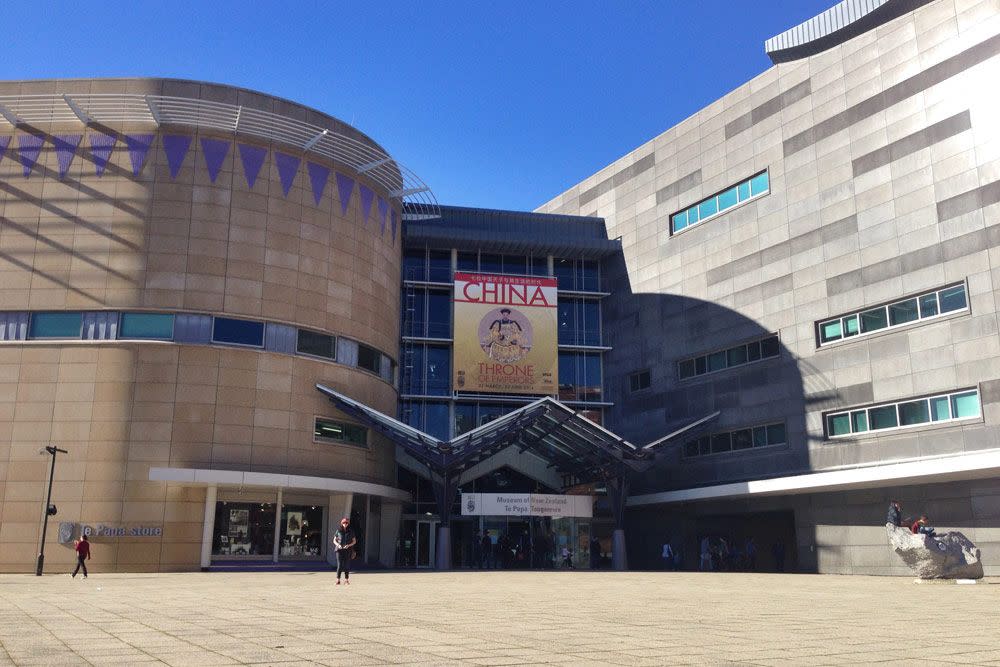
point(50, 509)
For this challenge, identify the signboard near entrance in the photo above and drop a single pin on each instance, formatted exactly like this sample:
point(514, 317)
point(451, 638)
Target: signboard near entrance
point(526, 504)
point(505, 334)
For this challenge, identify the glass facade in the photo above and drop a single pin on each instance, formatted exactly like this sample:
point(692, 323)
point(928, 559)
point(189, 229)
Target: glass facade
point(924, 306)
point(930, 410)
point(579, 321)
point(577, 275)
point(580, 376)
point(710, 207)
point(243, 529)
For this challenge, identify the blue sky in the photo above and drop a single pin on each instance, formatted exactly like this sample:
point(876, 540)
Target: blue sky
point(493, 104)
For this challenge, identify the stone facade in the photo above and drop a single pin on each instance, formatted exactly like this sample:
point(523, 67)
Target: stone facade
point(884, 167)
point(184, 243)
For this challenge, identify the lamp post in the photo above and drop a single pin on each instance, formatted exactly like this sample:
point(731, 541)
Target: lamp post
point(50, 509)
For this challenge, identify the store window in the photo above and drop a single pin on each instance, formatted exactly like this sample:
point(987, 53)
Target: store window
point(243, 529)
point(301, 531)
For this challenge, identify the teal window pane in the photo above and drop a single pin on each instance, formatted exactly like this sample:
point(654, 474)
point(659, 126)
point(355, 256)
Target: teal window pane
point(913, 412)
point(716, 361)
point(728, 199)
point(760, 436)
point(851, 326)
point(839, 424)
point(883, 417)
point(707, 208)
point(56, 325)
point(859, 421)
point(873, 320)
point(736, 356)
point(952, 298)
point(939, 409)
point(680, 221)
point(692, 215)
point(744, 190)
point(829, 331)
point(928, 305)
point(147, 325)
point(903, 312)
point(759, 184)
point(776, 434)
point(965, 405)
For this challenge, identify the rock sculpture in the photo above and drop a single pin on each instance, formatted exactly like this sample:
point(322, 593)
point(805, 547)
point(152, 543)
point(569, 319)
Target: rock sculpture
point(941, 556)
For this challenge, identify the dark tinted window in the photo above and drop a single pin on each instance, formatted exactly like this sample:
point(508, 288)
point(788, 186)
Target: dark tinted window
point(439, 262)
point(369, 358)
point(769, 347)
point(335, 431)
point(238, 332)
point(414, 265)
point(438, 314)
point(316, 344)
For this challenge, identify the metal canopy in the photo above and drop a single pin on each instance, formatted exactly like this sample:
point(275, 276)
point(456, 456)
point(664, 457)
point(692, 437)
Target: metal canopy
point(571, 443)
point(124, 108)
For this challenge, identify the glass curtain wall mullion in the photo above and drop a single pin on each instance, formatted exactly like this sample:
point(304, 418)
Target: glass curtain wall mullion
point(940, 408)
point(899, 313)
point(714, 206)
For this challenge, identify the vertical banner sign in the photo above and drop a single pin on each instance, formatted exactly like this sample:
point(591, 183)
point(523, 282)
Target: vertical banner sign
point(505, 334)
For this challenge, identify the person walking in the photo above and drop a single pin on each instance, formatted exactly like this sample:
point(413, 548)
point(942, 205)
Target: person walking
point(344, 541)
point(667, 554)
point(82, 547)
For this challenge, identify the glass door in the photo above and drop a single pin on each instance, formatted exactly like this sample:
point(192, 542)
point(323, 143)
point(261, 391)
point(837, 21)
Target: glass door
point(425, 543)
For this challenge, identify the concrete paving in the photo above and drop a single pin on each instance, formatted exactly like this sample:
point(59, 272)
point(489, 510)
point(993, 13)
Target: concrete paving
point(494, 618)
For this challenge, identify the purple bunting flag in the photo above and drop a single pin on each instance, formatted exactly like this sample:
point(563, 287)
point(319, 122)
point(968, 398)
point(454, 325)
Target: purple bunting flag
point(383, 211)
point(215, 151)
point(252, 158)
point(345, 187)
point(5, 141)
point(101, 146)
point(288, 166)
point(29, 147)
point(367, 194)
point(138, 147)
point(318, 176)
point(176, 147)
point(393, 219)
point(66, 145)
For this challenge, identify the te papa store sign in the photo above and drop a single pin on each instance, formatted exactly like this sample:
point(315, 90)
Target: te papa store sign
point(527, 504)
point(68, 532)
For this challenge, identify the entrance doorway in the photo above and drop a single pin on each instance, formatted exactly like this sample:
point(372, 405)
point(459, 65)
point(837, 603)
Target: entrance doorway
point(416, 543)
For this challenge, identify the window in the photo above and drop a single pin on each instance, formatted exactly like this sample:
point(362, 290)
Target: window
point(316, 344)
point(767, 435)
point(415, 264)
point(369, 359)
point(945, 407)
point(579, 321)
point(740, 355)
point(580, 376)
point(639, 380)
point(439, 266)
point(55, 325)
point(577, 275)
point(328, 430)
point(153, 326)
point(718, 204)
point(946, 300)
point(238, 332)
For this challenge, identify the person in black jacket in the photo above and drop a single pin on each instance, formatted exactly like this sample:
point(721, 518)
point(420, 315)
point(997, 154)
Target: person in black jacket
point(344, 541)
point(894, 516)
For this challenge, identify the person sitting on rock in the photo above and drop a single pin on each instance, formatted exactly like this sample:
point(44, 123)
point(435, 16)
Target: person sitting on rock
point(895, 516)
point(920, 526)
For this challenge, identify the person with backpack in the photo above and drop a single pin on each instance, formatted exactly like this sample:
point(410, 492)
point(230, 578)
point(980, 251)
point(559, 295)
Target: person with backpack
point(344, 541)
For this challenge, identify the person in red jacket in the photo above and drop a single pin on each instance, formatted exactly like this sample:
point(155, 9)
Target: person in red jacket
point(920, 526)
point(82, 554)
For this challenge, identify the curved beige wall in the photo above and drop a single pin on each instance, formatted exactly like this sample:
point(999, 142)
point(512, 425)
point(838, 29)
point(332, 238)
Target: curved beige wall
point(176, 244)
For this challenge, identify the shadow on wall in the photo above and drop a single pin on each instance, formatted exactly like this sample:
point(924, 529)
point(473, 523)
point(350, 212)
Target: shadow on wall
point(656, 332)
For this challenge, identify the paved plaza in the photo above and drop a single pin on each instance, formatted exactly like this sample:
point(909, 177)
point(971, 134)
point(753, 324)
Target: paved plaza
point(494, 618)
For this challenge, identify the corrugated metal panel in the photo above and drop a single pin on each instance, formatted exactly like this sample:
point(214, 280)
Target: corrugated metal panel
point(100, 326)
point(386, 371)
point(347, 351)
point(280, 338)
point(193, 328)
point(13, 326)
point(836, 18)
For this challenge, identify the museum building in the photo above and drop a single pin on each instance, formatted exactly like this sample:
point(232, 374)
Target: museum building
point(243, 319)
